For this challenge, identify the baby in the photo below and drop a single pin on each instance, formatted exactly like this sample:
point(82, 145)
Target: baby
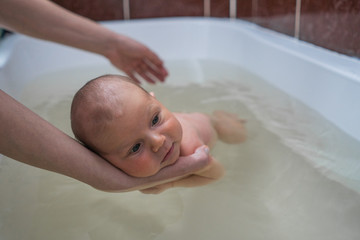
point(131, 129)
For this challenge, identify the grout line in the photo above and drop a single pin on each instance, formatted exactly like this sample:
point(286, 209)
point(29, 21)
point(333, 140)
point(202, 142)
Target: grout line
point(254, 8)
point(297, 19)
point(207, 8)
point(126, 9)
point(232, 10)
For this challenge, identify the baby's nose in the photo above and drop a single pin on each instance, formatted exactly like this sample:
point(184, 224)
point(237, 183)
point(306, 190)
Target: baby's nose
point(157, 140)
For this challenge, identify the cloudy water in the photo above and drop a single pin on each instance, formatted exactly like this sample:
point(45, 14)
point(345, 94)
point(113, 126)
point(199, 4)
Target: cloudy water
point(296, 177)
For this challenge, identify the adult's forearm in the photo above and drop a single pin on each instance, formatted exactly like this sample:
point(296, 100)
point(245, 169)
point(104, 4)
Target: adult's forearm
point(26, 137)
point(46, 20)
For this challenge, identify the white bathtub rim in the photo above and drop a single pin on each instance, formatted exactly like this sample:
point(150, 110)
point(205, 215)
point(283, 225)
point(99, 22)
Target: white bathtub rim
point(331, 60)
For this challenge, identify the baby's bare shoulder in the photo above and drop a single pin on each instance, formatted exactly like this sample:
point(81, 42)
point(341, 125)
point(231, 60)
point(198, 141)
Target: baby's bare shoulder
point(197, 131)
point(190, 139)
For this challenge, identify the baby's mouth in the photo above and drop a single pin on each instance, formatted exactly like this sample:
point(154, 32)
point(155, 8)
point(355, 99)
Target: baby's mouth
point(168, 153)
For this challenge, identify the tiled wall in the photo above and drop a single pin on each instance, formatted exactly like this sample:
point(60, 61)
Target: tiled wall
point(98, 10)
point(333, 24)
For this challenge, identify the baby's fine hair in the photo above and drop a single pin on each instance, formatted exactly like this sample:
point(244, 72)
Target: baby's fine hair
point(87, 105)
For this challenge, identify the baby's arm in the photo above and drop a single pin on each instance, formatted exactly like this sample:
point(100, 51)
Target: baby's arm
point(229, 127)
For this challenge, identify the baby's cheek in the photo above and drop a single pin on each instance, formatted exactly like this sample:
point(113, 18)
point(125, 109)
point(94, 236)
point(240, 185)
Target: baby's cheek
point(145, 167)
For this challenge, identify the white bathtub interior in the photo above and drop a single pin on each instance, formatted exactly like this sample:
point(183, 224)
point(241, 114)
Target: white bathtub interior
point(296, 177)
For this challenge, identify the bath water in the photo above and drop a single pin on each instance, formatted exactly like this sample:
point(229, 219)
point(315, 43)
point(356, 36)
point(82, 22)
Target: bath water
point(296, 177)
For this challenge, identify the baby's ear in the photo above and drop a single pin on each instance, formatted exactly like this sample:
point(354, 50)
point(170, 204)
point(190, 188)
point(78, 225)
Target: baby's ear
point(152, 94)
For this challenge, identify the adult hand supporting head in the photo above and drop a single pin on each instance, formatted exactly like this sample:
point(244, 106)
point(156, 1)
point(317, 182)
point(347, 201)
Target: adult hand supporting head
point(183, 167)
point(26, 137)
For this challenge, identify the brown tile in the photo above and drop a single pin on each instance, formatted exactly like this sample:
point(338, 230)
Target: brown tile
point(332, 24)
point(278, 15)
point(165, 8)
point(219, 8)
point(98, 10)
point(244, 9)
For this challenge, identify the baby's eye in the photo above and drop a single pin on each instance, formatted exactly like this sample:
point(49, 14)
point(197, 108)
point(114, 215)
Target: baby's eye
point(135, 148)
point(155, 120)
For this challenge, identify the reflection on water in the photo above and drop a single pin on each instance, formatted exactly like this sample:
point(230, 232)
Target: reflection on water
point(296, 177)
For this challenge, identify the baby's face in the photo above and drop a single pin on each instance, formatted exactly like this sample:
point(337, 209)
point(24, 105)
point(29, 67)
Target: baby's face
point(144, 138)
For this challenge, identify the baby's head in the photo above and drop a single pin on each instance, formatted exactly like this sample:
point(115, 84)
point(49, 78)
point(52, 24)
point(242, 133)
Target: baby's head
point(126, 125)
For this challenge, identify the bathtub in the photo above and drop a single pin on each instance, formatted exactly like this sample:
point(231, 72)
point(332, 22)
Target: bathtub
point(326, 82)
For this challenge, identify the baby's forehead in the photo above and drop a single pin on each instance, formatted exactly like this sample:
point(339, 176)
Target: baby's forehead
point(124, 87)
point(115, 97)
point(112, 90)
point(125, 95)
